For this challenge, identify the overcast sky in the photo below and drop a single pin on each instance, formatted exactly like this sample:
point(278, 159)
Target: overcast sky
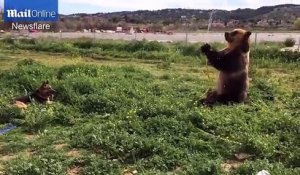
point(94, 6)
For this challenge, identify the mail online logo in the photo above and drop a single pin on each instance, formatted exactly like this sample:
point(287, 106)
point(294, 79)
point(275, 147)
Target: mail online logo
point(30, 10)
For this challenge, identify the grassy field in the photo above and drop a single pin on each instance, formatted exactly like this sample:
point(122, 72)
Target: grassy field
point(131, 108)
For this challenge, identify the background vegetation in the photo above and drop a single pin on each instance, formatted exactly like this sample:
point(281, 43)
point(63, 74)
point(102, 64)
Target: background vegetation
point(278, 17)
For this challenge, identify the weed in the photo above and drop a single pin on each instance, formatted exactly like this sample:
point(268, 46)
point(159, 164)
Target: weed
point(289, 42)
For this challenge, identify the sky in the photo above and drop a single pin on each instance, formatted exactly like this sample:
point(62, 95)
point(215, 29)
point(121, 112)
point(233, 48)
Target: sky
point(94, 6)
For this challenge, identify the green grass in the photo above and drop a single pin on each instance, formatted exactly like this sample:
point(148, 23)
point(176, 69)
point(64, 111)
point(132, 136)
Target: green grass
point(126, 113)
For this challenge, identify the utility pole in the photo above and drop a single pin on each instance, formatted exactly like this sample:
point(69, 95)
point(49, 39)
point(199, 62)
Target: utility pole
point(184, 19)
point(299, 45)
point(255, 39)
point(186, 33)
point(211, 16)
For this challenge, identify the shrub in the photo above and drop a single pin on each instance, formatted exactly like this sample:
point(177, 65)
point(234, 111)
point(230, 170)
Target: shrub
point(152, 55)
point(164, 65)
point(37, 117)
point(297, 23)
point(263, 90)
point(289, 42)
point(100, 166)
point(274, 54)
point(47, 163)
point(29, 76)
point(8, 40)
point(98, 104)
point(134, 46)
point(154, 46)
point(188, 49)
point(84, 44)
point(153, 109)
point(27, 41)
point(251, 167)
point(28, 62)
point(77, 70)
point(64, 115)
point(9, 114)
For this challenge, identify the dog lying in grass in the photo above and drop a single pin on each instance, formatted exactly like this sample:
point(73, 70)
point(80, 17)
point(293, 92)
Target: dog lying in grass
point(44, 95)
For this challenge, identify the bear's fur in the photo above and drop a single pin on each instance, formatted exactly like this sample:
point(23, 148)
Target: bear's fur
point(233, 64)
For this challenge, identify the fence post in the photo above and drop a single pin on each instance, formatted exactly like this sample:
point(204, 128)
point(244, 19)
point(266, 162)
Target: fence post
point(186, 37)
point(255, 39)
point(299, 44)
point(186, 34)
point(60, 34)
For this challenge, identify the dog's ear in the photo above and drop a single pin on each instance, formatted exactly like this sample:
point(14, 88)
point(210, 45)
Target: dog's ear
point(45, 83)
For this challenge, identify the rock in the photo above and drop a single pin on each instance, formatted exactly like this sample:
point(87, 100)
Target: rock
point(263, 172)
point(242, 156)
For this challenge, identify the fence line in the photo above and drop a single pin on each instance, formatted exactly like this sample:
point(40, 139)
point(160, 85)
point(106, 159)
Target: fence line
point(176, 37)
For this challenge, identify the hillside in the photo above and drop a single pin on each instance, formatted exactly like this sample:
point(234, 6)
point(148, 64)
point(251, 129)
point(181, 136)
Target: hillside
point(280, 16)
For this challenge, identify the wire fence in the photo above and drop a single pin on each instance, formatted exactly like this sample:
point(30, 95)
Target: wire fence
point(256, 37)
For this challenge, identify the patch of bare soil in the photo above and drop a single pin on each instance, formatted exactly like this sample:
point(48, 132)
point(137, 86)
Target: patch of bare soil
point(74, 170)
point(230, 165)
point(242, 156)
point(73, 153)
point(6, 158)
point(31, 137)
point(60, 146)
point(129, 172)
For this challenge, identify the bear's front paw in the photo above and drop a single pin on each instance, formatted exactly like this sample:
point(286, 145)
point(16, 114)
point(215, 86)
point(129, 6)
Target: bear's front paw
point(205, 48)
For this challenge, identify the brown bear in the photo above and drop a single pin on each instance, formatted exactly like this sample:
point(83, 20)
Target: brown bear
point(233, 64)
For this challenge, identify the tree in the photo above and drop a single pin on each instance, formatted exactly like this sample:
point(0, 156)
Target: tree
point(157, 27)
point(297, 23)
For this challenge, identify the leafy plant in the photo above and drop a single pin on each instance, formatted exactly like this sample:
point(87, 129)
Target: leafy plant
point(289, 42)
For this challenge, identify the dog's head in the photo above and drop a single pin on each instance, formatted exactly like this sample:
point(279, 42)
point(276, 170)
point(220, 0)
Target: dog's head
point(46, 91)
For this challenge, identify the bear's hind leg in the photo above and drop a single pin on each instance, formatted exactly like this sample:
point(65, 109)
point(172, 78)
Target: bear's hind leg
point(232, 98)
point(211, 98)
point(242, 97)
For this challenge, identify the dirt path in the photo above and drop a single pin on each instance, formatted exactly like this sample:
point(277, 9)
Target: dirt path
point(192, 37)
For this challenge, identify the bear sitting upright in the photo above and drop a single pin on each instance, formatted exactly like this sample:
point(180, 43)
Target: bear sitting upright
point(233, 64)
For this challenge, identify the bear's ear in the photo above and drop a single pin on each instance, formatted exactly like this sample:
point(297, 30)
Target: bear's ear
point(247, 34)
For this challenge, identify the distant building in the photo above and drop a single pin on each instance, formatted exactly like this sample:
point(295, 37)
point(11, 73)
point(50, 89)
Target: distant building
point(144, 30)
point(87, 30)
point(233, 23)
point(131, 31)
point(218, 24)
point(263, 23)
point(119, 30)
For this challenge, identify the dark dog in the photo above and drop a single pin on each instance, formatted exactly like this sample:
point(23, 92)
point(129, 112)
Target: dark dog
point(43, 95)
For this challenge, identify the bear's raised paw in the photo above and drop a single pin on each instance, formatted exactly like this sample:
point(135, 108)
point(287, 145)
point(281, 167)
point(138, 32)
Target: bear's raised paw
point(205, 48)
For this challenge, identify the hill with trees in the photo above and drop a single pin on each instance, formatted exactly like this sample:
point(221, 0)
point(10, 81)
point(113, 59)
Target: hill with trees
point(269, 17)
point(279, 17)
